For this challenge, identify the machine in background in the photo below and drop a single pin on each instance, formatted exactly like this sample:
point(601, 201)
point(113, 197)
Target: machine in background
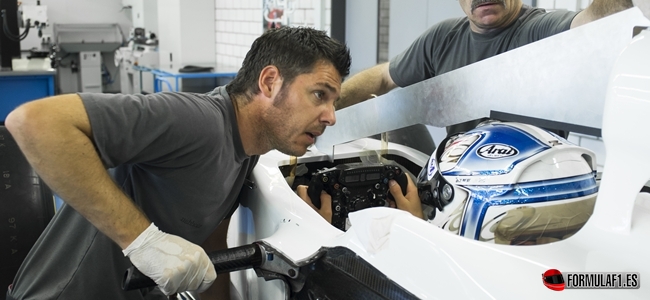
point(22, 78)
point(87, 42)
point(18, 22)
point(140, 52)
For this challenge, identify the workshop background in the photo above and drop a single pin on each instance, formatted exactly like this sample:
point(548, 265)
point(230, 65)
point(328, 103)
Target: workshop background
point(142, 46)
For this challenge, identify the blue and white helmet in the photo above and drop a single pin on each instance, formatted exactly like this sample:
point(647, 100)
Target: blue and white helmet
point(509, 183)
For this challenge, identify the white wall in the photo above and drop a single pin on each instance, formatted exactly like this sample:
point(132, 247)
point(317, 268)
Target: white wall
point(144, 14)
point(150, 13)
point(186, 30)
point(239, 23)
point(361, 21)
point(169, 29)
point(137, 12)
point(409, 18)
point(198, 35)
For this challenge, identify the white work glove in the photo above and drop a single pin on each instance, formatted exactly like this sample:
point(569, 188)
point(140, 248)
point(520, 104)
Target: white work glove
point(175, 264)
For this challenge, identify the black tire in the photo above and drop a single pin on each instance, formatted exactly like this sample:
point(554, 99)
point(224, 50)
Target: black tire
point(26, 207)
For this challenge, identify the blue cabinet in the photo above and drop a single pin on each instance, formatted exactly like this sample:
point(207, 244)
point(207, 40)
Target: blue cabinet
point(18, 87)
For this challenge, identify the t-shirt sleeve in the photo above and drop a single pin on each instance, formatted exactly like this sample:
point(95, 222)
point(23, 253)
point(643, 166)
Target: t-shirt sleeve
point(159, 129)
point(544, 25)
point(415, 64)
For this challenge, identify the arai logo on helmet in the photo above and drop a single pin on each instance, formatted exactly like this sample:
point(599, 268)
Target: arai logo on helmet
point(496, 151)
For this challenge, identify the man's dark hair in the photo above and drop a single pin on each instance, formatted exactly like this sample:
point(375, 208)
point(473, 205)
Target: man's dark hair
point(294, 51)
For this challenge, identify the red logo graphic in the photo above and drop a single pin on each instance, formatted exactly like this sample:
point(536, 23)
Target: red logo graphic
point(553, 280)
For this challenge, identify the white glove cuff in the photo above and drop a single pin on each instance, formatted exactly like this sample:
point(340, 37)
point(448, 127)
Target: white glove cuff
point(151, 231)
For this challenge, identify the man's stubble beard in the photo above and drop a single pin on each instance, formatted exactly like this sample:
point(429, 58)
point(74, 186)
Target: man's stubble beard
point(275, 124)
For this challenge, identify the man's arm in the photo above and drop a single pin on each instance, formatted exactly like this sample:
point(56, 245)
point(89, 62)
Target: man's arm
point(359, 87)
point(55, 136)
point(599, 9)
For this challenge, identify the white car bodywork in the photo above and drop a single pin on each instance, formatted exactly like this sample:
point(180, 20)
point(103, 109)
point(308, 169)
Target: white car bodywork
point(435, 264)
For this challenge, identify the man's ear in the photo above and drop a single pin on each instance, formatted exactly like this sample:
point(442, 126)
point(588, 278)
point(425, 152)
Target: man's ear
point(270, 81)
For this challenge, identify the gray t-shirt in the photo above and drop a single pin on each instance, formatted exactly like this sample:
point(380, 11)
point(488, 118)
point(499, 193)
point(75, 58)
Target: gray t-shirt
point(451, 44)
point(180, 158)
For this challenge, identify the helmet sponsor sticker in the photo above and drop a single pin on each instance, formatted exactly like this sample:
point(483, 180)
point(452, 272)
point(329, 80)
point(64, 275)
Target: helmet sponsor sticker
point(496, 151)
point(431, 168)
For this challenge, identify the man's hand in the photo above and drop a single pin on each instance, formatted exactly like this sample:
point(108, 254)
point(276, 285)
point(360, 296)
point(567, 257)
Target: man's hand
point(325, 202)
point(174, 263)
point(409, 202)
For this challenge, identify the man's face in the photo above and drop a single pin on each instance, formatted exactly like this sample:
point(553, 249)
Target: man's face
point(486, 15)
point(301, 110)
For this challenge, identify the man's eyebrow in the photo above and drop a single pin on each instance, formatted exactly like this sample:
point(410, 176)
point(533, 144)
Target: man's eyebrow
point(327, 86)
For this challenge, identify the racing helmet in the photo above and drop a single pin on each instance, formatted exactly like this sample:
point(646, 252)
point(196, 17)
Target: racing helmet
point(509, 183)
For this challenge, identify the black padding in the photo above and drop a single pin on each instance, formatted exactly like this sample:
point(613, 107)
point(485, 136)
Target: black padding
point(340, 274)
point(26, 207)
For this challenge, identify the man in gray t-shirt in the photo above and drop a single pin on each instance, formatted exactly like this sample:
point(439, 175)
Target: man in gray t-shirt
point(148, 178)
point(491, 27)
